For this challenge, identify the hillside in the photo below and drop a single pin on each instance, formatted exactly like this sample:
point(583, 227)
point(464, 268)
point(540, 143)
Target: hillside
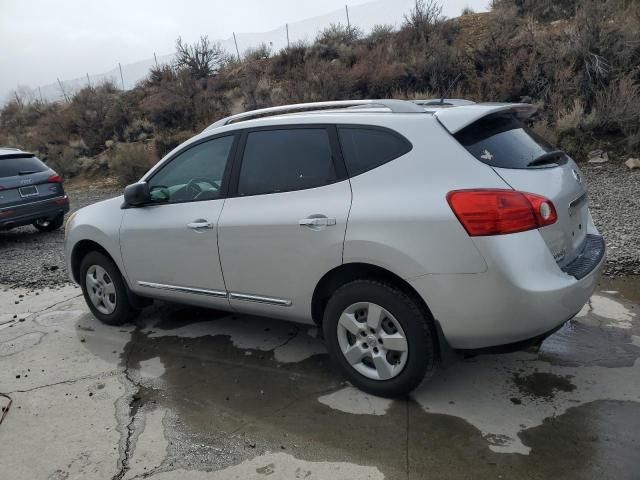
point(578, 61)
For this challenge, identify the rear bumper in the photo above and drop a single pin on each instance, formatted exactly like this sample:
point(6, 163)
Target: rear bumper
point(522, 295)
point(25, 214)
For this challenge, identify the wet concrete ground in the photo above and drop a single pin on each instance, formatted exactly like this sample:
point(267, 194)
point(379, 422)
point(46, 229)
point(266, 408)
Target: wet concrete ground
point(196, 394)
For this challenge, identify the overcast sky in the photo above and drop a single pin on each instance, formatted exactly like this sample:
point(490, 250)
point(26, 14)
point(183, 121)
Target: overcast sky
point(43, 39)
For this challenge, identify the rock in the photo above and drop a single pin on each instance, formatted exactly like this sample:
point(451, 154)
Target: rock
point(598, 156)
point(109, 143)
point(633, 163)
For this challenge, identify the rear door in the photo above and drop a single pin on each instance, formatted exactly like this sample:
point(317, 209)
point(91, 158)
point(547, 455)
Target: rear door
point(25, 179)
point(284, 227)
point(528, 163)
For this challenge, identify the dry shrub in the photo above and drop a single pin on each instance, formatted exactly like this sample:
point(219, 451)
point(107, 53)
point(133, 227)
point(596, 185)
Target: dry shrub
point(130, 161)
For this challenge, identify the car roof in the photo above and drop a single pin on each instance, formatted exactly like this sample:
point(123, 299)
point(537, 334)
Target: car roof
point(11, 152)
point(454, 114)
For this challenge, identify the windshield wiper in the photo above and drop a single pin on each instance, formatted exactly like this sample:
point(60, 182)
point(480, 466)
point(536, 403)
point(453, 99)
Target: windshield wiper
point(555, 157)
point(26, 172)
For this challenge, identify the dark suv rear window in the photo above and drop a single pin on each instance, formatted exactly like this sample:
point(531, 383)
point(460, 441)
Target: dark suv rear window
point(365, 148)
point(11, 167)
point(503, 141)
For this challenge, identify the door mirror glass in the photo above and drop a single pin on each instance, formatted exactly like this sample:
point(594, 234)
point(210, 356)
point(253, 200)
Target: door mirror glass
point(137, 194)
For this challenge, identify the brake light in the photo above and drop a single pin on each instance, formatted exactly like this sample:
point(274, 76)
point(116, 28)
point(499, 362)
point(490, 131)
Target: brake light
point(55, 178)
point(484, 212)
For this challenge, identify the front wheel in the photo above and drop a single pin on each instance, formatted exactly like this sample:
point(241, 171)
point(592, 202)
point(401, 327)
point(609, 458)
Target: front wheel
point(105, 291)
point(49, 224)
point(380, 337)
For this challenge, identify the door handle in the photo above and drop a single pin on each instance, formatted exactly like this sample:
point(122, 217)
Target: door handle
point(200, 224)
point(318, 222)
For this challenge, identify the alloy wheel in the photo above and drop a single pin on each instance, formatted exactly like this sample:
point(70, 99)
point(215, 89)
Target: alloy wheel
point(372, 341)
point(101, 289)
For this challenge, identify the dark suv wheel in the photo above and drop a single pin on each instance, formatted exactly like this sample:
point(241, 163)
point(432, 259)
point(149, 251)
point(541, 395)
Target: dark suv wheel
point(380, 337)
point(49, 224)
point(105, 291)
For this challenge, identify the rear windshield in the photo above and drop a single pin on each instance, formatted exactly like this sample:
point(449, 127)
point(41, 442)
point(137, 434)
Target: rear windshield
point(503, 141)
point(11, 167)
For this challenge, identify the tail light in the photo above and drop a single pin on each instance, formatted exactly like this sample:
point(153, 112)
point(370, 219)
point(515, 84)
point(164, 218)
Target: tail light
point(55, 178)
point(486, 212)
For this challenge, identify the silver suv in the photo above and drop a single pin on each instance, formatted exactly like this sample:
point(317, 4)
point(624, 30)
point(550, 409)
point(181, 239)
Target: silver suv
point(393, 225)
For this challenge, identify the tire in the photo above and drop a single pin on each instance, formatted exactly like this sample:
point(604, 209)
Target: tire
point(110, 308)
point(46, 225)
point(400, 315)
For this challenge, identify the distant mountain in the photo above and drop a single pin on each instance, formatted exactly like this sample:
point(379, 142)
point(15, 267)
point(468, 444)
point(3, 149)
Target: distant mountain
point(365, 17)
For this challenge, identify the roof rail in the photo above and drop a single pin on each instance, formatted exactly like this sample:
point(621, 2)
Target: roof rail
point(395, 106)
point(444, 102)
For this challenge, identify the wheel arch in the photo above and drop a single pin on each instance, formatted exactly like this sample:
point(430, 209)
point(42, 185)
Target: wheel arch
point(348, 272)
point(80, 250)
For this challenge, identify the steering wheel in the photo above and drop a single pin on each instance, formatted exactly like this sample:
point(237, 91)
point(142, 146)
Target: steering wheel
point(194, 189)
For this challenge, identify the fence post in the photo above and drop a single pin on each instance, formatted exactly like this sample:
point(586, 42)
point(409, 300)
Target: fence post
point(235, 40)
point(40, 92)
point(64, 94)
point(88, 80)
point(121, 77)
point(287, 27)
point(346, 7)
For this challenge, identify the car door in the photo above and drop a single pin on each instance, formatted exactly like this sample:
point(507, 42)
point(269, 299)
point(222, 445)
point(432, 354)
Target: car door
point(170, 247)
point(283, 228)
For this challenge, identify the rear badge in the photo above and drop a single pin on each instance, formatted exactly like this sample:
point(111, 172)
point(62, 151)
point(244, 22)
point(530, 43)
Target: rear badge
point(577, 176)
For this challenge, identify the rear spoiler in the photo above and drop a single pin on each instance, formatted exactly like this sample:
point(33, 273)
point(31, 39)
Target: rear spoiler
point(8, 156)
point(456, 118)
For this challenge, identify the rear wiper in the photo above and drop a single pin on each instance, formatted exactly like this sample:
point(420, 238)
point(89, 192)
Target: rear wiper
point(26, 172)
point(555, 157)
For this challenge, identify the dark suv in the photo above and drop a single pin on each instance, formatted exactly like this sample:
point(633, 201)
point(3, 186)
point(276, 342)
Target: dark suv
point(30, 192)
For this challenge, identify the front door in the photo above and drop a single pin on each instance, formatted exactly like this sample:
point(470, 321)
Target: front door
point(170, 247)
point(284, 227)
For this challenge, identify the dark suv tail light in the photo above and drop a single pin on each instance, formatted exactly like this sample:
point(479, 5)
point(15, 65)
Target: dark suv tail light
point(55, 178)
point(485, 212)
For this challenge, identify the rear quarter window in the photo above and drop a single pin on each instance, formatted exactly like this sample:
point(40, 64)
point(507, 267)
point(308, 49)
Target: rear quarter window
point(365, 148)
point(503, 141)
point(12, 167)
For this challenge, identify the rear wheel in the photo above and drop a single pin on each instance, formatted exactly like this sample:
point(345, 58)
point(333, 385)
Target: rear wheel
point(49, 224)
point(380, 337)
point(105, 291)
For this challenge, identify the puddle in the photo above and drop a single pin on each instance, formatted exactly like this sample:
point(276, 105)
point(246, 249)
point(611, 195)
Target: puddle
point(541, 385)
point(234, 389)
point(579, 343)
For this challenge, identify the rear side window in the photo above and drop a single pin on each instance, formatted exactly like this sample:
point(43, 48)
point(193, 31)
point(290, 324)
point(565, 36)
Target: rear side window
point(367, 148)
point(12, 167)
point(277, 161)
point(503, 141)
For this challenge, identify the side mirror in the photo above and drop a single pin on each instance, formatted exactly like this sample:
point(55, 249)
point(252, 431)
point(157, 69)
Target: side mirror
point(136, 195)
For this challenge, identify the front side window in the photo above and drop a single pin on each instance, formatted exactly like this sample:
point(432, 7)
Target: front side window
point(367, 148)
point(194, 175)
point(284, 160)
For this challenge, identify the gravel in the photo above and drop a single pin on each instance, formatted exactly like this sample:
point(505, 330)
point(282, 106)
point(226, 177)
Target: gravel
point(34, 260)
point(614, 196)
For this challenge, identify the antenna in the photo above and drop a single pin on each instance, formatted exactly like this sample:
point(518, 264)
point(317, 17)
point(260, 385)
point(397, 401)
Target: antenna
point(451, 85)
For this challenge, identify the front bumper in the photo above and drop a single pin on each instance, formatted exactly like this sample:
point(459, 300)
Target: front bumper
point(522, 295)
point(25, 214)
